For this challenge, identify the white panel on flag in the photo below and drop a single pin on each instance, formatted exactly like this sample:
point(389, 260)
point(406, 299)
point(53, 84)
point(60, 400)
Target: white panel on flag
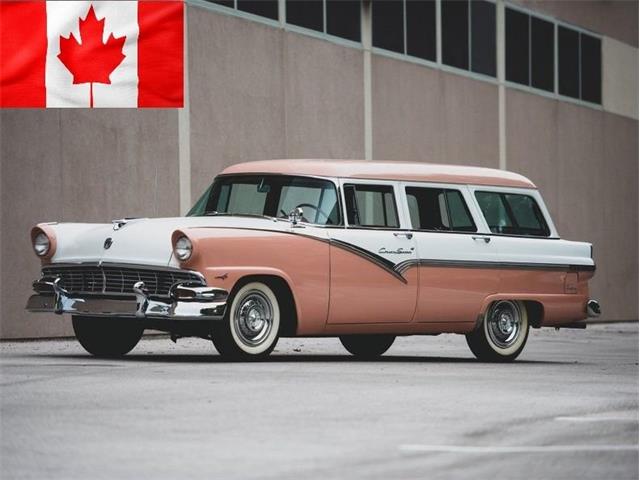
point(121, 19)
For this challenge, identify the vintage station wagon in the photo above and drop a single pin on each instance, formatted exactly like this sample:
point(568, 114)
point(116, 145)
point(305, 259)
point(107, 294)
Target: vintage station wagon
point(365, 251)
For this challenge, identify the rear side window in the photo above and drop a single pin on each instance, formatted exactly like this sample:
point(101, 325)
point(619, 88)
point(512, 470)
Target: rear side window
point(512, 214)
point(371, 206)
point(438, 209)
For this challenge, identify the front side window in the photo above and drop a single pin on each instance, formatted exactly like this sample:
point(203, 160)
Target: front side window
point(438, 209)
point(512, 214)
point(273, 196)
point(371, 206)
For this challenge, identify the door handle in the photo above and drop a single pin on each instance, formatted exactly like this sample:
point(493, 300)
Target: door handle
point(479, 237)
point(409, 235)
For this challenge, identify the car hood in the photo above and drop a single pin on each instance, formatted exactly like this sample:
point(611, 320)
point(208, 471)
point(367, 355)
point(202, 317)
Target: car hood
point(140, 241)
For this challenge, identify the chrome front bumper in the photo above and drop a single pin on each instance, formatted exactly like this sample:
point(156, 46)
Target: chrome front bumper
point(186, 301)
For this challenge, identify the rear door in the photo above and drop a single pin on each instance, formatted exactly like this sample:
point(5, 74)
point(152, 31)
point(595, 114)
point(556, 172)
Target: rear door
point(454, 250)
point(369, 283)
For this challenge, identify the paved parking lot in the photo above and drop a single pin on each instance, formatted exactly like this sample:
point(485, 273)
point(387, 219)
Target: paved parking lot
point(567, 409)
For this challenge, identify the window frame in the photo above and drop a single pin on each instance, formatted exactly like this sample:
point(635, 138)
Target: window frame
point(555, 94)
point(444, 189)
point(398, 205)
point(502, 193)
point(332, 181)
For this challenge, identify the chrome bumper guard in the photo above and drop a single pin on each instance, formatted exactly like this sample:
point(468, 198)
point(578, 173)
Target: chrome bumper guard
point(593, 309)
point(186, 301)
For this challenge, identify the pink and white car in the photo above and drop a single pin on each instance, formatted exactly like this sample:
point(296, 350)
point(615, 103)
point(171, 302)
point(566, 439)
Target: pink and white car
point(364, 251)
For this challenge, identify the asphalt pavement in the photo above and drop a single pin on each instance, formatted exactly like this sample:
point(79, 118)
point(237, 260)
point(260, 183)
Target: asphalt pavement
point(567, 409)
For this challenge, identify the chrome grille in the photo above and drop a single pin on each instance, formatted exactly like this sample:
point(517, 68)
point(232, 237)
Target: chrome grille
point(117, 279)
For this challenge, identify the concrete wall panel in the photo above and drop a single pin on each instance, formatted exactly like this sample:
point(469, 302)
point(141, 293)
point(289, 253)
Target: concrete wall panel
point(324, 99)
point(619, 78)
point(236, 90)
point(585, 163)
point(76, 165)
point(424, 114)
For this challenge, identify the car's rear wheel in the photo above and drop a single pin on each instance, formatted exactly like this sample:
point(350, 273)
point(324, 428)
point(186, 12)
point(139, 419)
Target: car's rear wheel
point(367, 346)
point(502, 334)
point(250, 329)
point(107, 337)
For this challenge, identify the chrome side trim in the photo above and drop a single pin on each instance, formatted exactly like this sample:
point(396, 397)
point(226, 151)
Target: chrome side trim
point(407, 264)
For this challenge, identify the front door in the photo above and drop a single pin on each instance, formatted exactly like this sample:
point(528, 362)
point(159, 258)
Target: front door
point(372, 279)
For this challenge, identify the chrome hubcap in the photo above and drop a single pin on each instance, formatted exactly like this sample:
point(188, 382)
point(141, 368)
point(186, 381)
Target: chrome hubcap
point(504, 323)
point(253, 318)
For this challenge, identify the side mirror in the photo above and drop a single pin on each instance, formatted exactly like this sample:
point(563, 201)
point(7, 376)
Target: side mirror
point(296, 215)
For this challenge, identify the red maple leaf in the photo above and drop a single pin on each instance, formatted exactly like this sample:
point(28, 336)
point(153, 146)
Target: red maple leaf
point(91, 61)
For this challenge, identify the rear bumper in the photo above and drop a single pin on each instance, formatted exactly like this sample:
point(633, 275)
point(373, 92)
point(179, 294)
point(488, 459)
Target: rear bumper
point(186, 301)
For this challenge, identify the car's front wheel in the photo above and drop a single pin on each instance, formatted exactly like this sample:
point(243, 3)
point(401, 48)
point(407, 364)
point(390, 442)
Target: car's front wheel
point(107, 337)
point(250, 329)
point(502, 334)
point(367, 346)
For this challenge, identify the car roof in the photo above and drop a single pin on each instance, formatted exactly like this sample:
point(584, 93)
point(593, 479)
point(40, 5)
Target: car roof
point(384, 170)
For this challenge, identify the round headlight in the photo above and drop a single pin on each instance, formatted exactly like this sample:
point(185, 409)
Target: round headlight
point(41, 244)
point(183, 249)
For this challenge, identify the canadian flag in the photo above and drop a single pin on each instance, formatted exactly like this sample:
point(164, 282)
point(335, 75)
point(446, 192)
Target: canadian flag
point(91, 53)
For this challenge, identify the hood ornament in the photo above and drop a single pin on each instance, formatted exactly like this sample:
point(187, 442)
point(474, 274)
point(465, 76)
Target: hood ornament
point(107, 243)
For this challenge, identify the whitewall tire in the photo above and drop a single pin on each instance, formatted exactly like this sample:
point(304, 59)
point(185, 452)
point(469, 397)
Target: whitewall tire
point(503, 332)
point(251, 326)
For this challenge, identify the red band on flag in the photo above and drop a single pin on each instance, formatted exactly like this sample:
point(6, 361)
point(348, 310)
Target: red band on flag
point(23, 50)
point(160, 51)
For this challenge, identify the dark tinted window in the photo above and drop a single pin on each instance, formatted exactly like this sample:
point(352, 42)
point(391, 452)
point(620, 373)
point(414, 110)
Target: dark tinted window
point(371, 206)
point(517, 47)
point(542, 54)
point(226, 3)
point(274, 196)
point(438, 209)
point(388, 24)
point(264, 8)
point(306, 13)
point(455, 33)
point(512, 214)
point(568, 60)
point(483, 37)
point(343, 19)
point(421, 28)
point(591, 56)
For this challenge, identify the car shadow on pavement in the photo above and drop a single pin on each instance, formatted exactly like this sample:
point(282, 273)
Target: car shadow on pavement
point(294, 358)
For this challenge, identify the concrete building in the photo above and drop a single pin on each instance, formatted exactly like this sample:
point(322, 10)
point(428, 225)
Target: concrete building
point(548, 89)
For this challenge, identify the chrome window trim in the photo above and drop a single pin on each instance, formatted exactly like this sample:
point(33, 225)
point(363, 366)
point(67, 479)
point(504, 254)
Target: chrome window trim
point(333, 180)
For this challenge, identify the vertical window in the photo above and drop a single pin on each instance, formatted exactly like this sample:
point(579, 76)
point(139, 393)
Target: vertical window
point(371, 206)
point(590, 73)
point(421, 29)
point(388, 24)
point(306, 13)
point(483, 38)
point(342, 16)
point(455, 33)
point(264, 8)
point(512, 214)
point(438, 209)
point(568, 62)
point(542, 54)
point(226, 3)
point(343, 19)
point(529, 50)
point(469, 35)
point(517, 47)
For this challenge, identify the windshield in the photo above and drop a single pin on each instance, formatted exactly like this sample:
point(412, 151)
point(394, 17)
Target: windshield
point(271, 195)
